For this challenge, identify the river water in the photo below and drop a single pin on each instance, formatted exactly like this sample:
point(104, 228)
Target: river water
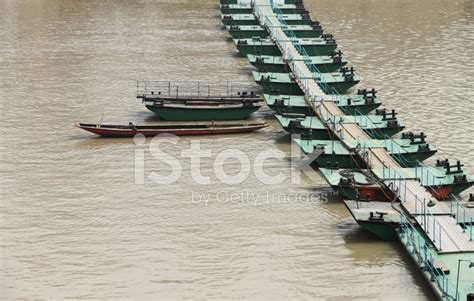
point(75, 223)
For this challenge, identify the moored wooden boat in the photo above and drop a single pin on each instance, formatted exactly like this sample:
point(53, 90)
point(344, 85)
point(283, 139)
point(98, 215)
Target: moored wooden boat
point(186, 129)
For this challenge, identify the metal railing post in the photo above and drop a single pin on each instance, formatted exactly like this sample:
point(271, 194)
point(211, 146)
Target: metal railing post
point(471, 226)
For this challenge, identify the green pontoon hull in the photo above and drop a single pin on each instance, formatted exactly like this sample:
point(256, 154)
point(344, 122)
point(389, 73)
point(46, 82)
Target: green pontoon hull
point(359, 109)
point(315, 50)
point(272, 49)
point(241, 22)
point(383, 230)
point(237, 11)
point(412, 159)
point(184, 114)
point(352, 193)
point(382, 133)
point(291, 109)
point(335, 155)
point(341, 161)
point(282, 83)
point(312, 127)
point(296, 104)
point(280, 88)
point(353, 161)
point(359, 183)
point(283, 68)
point(262, 33)
point(299, 22)
point(346, 192)
point(264, 49)
point(241, 9)
point(458, 188)
point(349, 110)
point(248, 34)
point(341, 87)
point(324, 134)
point(378, 218)
point(237, 2)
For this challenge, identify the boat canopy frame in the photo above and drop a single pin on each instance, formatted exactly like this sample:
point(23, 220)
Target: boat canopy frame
point(197, 90)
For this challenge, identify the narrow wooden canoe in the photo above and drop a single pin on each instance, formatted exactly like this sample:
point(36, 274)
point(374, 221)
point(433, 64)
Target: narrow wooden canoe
point(189, 129)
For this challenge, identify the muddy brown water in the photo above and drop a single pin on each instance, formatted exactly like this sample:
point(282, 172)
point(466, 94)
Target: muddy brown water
point(75, 225)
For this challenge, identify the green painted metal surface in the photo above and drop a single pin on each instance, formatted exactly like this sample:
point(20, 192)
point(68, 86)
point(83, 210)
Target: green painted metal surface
point(312, 127)
point(190, 114)
point(248, 9)
point(249, 19)
point(380, 219)
point(283, 83)
point(266, 63)
point(444, 183)
point(402, 151)
point(314, 47)
point(354, 104)
point(250, 31)
point(455, 280)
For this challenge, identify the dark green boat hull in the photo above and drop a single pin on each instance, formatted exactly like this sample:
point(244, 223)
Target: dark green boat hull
point(349, 110)
point(297, 110)
point(411, 159)
point(280, 88)
point(323, 134)
point(299, 22)
point(341, 87)
point(237, 11)
point(236, 1)
point(184, 114)
point(237, 34)
point(293, 88)
point(343, 161)
point(258, 49)
point(315, 50)
point(458, 188)
point(346, 192)
point(353, 161)
point(229, 22)
point(248, 34)
point(249, 10)
point(312, 50)
point(282, 68)
point(352, 193)
point(383, 230)
point(364, 109)
point(382, 133)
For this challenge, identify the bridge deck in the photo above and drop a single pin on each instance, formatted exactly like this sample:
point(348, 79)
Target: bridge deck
point(410, 192)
